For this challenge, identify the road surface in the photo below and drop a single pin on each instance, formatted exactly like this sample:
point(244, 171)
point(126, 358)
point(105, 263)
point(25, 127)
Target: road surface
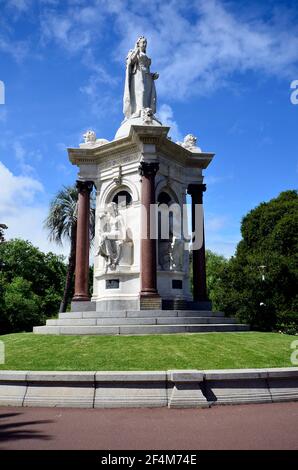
point(268, 426)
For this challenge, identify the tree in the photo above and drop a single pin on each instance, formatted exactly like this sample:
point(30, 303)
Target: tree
point(22, 305)
point(31, 285)
point(215, 264)
point(62, 225)
point(270, 239)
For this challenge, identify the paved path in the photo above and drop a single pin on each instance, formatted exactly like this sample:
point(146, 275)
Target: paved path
point(269, 426)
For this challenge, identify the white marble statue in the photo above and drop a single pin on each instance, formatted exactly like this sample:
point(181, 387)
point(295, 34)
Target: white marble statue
point(170, 254)
point(190, 143)
point(147, 116)
point(90, 140)
point(139, 91)
point(89, 137)
point(112, 235)
point(115, 245)
point(177, 254)
point(164, 257)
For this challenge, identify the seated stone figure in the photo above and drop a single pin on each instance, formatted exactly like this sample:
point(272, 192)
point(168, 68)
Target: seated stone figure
point(113, 237)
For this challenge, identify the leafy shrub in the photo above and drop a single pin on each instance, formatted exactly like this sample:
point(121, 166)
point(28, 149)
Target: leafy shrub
point(22, 306)
point(31, 285)
point(287, 322)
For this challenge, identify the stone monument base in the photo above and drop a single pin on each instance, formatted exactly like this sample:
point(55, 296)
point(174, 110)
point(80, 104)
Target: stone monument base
point(89, 321)
point(111, 305)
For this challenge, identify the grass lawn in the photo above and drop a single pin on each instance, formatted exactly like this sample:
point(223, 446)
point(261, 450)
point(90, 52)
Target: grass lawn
point(26, 351)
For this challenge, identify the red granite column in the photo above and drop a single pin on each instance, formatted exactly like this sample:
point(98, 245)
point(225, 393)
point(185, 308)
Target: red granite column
point(82, 249)
point(149, 296)
point(199, 261)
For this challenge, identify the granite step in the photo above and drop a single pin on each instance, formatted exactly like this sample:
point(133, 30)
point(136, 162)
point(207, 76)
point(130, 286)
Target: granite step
point(139, 329)
point(138, 321)
point(141, 314)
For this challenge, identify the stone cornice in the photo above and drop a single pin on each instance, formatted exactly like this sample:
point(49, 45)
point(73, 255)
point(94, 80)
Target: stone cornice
point(184, 156)
point(133, 143)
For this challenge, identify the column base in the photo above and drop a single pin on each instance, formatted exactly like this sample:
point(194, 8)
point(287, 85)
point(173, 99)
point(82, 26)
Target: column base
point(150, 301)
point(200, 305)
point(83, 306)
point(200, 298)
point(80, 298)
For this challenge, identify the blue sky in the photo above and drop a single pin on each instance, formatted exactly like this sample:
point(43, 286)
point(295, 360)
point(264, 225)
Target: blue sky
point(225, 73)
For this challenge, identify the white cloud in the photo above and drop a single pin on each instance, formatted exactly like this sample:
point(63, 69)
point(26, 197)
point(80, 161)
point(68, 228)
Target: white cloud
point(28, 225)
point(60, 29)
point(74, 29)
point(20, 154)
point(101, 99)
point(17, 49)
point(21, 212)
point(16, 190)
point(166, 116)
point(196, 45)
point(24, 156)
point(199, 55)
point(99, 72)
point(78, 31)
point(19, 5)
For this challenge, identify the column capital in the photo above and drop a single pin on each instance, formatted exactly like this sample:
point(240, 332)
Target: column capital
point(148, 169)
point(196, 188)
point(84, 186)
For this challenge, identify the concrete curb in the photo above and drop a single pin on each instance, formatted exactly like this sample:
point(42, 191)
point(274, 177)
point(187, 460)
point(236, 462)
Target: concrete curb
point(173, 388)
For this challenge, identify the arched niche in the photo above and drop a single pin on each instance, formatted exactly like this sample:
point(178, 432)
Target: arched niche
point(114, 188)
point(170, 250)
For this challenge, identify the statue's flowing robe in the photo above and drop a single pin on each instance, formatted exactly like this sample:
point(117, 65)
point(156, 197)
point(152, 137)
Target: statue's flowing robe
point(112, 237)
point(139, 89)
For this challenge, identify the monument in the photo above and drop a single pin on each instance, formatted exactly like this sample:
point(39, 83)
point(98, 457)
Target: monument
point(142, 244)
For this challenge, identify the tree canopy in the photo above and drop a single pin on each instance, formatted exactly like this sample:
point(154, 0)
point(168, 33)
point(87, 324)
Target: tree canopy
point(31, 285)
point(269, 239)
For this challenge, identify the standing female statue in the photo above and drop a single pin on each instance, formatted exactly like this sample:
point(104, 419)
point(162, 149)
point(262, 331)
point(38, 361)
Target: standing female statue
point(139, 91)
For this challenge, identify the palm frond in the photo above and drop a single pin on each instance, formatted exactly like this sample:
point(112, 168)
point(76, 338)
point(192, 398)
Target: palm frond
point(63, 215)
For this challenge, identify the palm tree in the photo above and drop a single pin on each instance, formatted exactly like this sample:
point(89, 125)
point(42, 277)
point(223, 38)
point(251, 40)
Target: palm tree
point(62, 224)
